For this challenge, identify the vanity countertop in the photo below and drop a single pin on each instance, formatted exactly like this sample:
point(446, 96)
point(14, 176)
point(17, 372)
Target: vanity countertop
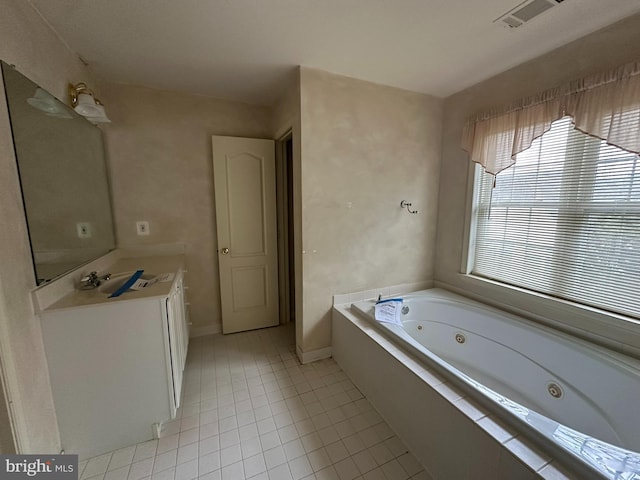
point(151, 265)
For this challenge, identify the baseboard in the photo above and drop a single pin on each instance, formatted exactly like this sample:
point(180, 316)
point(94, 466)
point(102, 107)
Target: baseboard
point(313, 355)
point(202, 331)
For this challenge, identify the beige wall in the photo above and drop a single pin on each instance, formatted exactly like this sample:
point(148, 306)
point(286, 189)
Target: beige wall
point(608, 48)
point(7, 445)
point(27, 42)
point(160, 162)
point(159, 155)
point(365, 147)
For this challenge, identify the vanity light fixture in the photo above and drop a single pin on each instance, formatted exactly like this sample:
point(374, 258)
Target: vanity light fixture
point(86, 104)
point(47, 103)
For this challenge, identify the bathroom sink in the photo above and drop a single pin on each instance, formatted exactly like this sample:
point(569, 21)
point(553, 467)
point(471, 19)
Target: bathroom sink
point(116, 281)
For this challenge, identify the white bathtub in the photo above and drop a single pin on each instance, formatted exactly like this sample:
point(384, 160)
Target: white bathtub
point(582, 398)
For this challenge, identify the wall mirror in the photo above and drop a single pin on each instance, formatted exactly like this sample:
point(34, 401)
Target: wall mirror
point(63, 175)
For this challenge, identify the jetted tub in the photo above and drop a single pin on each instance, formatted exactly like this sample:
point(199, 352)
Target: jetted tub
point(582, 398)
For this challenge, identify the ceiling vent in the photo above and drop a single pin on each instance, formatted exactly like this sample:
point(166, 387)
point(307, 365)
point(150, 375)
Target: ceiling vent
point(524, 12)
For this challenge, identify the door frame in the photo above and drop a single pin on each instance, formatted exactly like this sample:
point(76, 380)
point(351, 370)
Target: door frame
point(285, 219)
point(287, 125)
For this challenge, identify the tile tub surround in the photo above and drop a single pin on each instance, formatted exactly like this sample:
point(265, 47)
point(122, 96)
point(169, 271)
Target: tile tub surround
point(389, 291)
point(448, 432)
point(251, 411)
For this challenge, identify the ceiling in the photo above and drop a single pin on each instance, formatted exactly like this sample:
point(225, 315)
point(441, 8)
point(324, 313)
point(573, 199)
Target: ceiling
point(245, 49)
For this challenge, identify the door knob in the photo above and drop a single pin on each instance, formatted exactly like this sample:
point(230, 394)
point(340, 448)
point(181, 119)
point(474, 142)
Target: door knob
point(224, 251)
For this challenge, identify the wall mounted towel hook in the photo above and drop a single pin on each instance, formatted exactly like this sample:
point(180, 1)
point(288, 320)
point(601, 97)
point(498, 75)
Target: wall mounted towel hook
point(407, 205)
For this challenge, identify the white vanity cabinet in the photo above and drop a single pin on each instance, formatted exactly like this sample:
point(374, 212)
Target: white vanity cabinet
point(116, 366)
point(178, 338)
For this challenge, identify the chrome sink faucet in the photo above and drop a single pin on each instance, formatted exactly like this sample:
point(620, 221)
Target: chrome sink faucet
point(92, 280)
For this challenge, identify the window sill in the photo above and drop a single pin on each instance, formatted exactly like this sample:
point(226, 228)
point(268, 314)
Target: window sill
point(616, 332)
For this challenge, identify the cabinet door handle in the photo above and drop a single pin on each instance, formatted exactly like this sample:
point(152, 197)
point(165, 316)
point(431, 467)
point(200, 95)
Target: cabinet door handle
point(224, 251)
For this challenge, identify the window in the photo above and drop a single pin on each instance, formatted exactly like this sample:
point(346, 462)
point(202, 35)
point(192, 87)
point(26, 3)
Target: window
point(563, 221)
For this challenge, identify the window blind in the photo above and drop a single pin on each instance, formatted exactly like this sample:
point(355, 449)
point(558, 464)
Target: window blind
point(564, 221)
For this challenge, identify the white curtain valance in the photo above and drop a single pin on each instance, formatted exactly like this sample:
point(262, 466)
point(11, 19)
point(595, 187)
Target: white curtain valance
point(605, 105)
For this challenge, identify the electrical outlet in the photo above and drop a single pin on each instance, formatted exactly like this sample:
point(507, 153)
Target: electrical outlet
point(83, 229)
point(142, 227)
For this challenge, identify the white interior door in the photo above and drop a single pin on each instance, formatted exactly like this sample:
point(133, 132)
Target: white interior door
point(245, 195)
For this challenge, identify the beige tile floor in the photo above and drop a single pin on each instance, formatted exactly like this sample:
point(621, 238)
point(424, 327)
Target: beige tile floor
point(251, 411)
